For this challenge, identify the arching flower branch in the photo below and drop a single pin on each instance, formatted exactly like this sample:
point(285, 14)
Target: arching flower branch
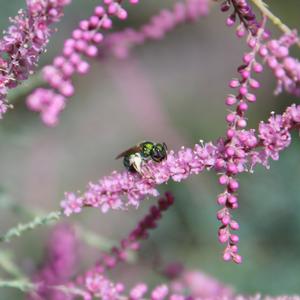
point(123, 189)
point(87, 41)
point(24, 42)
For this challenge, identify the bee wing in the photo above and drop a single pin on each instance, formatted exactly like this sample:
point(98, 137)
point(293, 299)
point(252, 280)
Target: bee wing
point(165, 146)
point(129, 151)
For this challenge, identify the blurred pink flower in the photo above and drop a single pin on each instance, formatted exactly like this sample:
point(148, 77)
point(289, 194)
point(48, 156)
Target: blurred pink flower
point(87, 41)
point(285, 68)
point(241, 11)
point(200, 285)
point(71, 204)
point(24, 42)
point(59, 267)
point(120, 43)
point(84, 41)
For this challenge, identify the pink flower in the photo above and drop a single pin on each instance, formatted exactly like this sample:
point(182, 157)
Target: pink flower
point(201, 285)
point(274, 137)
point(160, 292)
point(71, 204)
point(285, 68)
point(242, 11)
point(48, 104)
point(138, 291)
point(60, 266)
point(119, 44)
point(24, 42)
point(101, 287)
point(84, 42)
point(294, 112)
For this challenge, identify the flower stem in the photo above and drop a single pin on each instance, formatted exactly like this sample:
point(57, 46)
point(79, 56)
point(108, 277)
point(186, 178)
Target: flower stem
point(27, 86)
point(91, 238)
point(7, 203)
point(7, 264)
point(94, 239)
point(263, 7)
point(22, 284)
point(37, 221)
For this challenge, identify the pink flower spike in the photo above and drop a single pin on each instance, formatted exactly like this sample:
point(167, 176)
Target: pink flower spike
point(24, 42)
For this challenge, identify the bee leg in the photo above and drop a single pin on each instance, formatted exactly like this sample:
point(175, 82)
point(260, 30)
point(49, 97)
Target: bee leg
point(137, 167)
point(147, 173)
point(142, 169)
point(136, 163)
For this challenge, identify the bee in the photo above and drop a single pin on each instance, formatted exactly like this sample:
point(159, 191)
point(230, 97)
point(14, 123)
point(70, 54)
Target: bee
point(134, 157)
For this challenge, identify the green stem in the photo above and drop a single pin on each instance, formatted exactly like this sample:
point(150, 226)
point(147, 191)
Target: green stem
point(91, 238)
point(263, 7)
point(7, 264)
point(22, 90)
point(22, 284)
point(7, 203)
point(94, 239)
point(37, 221)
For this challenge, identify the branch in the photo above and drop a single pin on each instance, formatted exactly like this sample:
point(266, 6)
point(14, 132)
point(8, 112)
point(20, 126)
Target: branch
point(7, 263)
point(37, 221)
point(22, 284)
point(91, 238)
point(263, 7)
point(27, 86)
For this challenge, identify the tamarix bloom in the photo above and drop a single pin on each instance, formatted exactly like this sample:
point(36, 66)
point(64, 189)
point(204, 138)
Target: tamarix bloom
point(122, 189)
point(94, 282)
point(140, 232)
point(285, 67)
point(200, 285)
point(238, 151)
point(112, 191)
point(23, 43)
point(242, 11)
point(60, 265)
point(87, 41)
point(84, 42)
point(120, 43)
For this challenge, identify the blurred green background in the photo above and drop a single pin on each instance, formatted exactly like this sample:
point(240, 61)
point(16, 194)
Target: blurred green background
point(171, 91)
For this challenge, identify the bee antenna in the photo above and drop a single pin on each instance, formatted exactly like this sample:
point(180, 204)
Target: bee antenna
point(165, 145)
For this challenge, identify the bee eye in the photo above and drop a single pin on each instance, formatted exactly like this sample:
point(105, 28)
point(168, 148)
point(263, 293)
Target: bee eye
point(158, 153)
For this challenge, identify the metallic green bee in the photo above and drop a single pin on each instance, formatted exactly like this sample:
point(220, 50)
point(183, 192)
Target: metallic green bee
point(134, 157)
